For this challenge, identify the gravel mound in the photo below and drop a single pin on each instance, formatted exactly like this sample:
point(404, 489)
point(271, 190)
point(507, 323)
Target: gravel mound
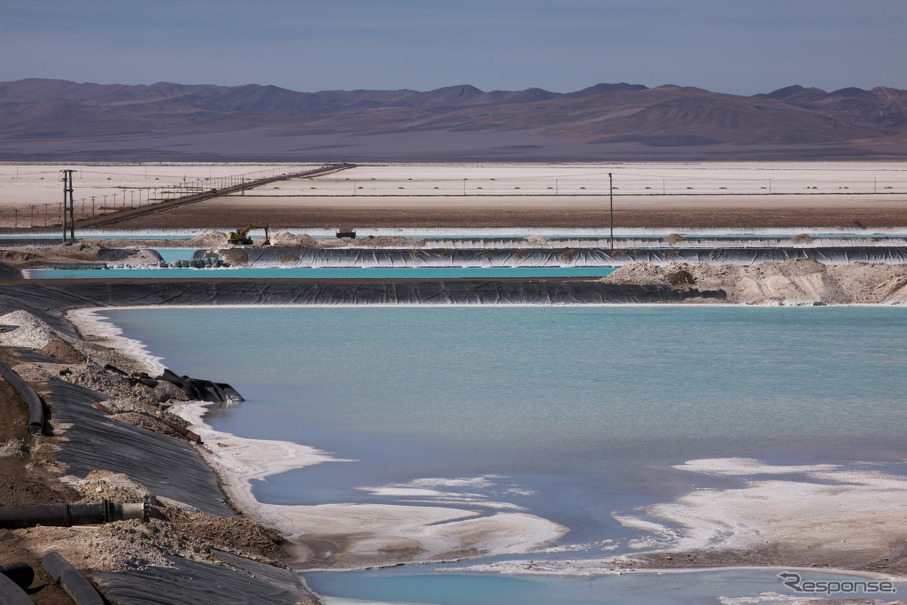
point(62, 350)
point(206, 240)
point(30, 333)
point(795, 282)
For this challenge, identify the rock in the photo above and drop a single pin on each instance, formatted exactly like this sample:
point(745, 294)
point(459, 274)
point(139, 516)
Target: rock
point(13, 447)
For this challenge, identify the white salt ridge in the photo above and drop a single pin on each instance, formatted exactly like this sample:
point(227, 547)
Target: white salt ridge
point(432, 532)
point(618, 566)
point(93, 322)
point(428, 490)
point(483, 481)
point(825, 510)
point(748, 466)
point(774, 598)
point(830, 510)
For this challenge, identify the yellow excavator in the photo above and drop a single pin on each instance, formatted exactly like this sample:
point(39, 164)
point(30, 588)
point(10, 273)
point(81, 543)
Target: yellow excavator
point(240, 237)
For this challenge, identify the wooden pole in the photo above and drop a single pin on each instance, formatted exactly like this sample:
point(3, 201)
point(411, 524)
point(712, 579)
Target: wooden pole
point(611, 196)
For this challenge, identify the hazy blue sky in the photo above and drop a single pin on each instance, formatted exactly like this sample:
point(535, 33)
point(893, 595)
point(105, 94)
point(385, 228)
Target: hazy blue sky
point(735, 46)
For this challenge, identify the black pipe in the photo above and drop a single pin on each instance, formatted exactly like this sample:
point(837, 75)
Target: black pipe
point(35, 405)
point(65, 515)
point(78, 587)
point(12, 594)
point(20, 573)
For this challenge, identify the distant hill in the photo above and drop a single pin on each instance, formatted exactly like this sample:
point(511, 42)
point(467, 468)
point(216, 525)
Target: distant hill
point(54, 119)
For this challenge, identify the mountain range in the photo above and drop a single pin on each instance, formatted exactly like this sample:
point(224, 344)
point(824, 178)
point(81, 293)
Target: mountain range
point(44, 119)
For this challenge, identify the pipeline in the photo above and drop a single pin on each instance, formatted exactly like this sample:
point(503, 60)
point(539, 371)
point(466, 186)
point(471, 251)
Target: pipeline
point(66, 515)
point(35, 405)
point(74, 583)
point(13, 594)
point(20, 573)
point(14, 579)
point(190, 435)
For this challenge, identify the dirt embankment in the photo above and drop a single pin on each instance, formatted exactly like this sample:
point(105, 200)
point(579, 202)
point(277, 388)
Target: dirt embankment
point(795, 282)
point(30, 472)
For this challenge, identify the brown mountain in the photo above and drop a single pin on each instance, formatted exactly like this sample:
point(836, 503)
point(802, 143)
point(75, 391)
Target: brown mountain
point(54, 119)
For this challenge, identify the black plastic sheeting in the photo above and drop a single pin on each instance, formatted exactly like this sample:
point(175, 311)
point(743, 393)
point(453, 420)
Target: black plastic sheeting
point(245, 581)
point(49, 299)
point(9, 272)
point(562, 257)
point(30, 356)
point(166, 466)
point(203, 390)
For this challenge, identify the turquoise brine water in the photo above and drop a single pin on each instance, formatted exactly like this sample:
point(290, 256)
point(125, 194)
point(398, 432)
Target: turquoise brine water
point(569, 412)
point(428, 586)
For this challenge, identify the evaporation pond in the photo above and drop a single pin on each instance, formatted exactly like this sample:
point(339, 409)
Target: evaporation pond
point(569, 413)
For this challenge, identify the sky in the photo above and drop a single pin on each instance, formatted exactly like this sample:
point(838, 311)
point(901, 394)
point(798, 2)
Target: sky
point(733, 46)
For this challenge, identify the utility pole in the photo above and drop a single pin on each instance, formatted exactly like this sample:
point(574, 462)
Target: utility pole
point(611, 196)
point(68, 204)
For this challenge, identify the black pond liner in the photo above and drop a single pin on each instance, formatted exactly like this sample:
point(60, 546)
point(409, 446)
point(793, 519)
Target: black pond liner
point(244, 581)
point(166, 466)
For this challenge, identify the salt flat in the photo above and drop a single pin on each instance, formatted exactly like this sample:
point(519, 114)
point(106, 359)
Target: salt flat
point(506, 194)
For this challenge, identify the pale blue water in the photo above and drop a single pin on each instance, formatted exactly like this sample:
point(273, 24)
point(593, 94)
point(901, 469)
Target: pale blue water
point(427, 585)
point(582, 409)
point(171, 254)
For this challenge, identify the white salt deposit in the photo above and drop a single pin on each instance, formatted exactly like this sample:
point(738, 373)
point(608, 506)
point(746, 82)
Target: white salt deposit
point(92, 322)
point(31, 332)
point(825, 509)
point(440, 490)
point(748, 466)
point(374, 533)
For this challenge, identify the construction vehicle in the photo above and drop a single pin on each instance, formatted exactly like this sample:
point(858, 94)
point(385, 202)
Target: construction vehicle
point(240, 237)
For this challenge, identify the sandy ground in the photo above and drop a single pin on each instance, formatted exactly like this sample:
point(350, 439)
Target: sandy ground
point(680, 211)
point(679, 195)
